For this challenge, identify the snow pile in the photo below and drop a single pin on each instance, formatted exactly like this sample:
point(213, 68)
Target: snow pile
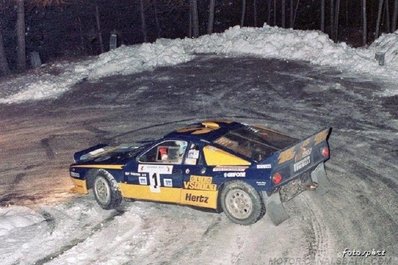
point(132, 59)
point(17, 217)
point(273, 42)
point(387, 44)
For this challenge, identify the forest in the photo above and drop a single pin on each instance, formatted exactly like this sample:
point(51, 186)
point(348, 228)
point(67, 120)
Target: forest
point(47, 30)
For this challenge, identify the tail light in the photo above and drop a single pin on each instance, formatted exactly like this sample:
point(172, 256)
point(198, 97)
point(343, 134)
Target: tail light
point(325, 152)
point(277, 178)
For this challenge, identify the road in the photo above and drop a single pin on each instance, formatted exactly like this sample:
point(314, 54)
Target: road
point(359, 212)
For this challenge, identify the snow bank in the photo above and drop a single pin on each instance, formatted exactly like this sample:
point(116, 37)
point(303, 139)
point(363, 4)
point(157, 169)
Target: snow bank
point(271, 42)
point(17, 217)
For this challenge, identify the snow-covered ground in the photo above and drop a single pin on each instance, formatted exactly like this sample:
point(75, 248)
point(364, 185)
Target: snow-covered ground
point(267, 42)
point(41, 222)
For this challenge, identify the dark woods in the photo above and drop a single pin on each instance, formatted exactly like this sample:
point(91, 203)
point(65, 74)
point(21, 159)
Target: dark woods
point(48, 29)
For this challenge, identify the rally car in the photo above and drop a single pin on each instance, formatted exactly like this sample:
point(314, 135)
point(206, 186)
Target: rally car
point(227, 166)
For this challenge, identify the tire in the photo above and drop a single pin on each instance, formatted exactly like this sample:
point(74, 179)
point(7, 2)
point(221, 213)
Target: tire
point(106, 190)
point(241, 203)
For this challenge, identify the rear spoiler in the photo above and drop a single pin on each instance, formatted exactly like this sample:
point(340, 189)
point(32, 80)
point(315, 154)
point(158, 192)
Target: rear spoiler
point(299, 150)
point(85, 154)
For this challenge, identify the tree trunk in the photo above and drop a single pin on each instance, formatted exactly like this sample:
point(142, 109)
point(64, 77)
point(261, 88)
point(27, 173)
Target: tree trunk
point(190, 22)
point(195, 18)
point(283, 13)
point(379, 11)
point(291, 13)
point(210, 23)
point(275, 12)
point(242, 18)
point(255, 13)
point(331, 18)
point(295, 12)
point(323, 15)
point(269, 12)
point(395, 16)
point(20, 28)
point(4, 69)
point(155, 10)
point(364, 24)
point(387, 16)
point(97, 19)
point(143, 22)
point(336, 20)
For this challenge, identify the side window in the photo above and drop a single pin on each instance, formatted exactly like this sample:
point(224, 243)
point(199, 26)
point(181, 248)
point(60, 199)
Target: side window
point(168, 152)
point(193, 156)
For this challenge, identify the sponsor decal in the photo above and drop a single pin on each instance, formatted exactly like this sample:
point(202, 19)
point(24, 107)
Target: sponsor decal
point(134, 174)
point(264, 166)
point(320, 137)
point(286, 155)
point(235, 174)
point(261, 183)
point(193, 154)
point(75, 174)
point(160, 169)
point(200, 183)
point(190, 161)
point(302, 163)
point(168, 182)
point(303, 153)
point(196, 198)
point(230, 168)
point(143, 181)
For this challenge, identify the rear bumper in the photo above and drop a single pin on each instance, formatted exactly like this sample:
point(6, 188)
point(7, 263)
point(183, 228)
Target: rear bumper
point(80, 186)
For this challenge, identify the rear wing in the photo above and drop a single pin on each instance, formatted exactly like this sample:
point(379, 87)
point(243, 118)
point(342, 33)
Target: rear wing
point(301, 157)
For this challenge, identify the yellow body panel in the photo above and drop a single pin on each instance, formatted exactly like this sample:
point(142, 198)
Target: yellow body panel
point(201, 198)
point(80, 186)
point(100, 166)
point(218, 157)
point(144, 193)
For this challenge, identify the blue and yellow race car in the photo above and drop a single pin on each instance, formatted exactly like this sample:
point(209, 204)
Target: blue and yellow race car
point(227, 166)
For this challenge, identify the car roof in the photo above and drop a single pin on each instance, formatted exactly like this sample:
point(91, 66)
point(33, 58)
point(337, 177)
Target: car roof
point(208, 130)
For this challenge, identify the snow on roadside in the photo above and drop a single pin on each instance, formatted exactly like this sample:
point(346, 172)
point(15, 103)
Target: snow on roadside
point(271, 42)
point(17, 217)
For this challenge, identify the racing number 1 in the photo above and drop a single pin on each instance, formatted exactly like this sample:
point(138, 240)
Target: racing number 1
point(154, 182)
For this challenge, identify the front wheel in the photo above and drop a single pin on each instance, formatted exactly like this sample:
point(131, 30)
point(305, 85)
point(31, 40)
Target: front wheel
point(106, 190)
point(241, 203)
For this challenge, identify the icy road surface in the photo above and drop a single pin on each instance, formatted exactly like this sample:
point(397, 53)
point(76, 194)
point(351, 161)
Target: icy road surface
point(52, 226)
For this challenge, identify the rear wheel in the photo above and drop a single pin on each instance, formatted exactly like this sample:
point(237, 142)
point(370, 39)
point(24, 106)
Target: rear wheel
point(241, 203)
point(106, 190)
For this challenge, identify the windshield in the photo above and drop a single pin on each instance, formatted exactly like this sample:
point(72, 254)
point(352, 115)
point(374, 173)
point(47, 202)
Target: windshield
point(255, 143)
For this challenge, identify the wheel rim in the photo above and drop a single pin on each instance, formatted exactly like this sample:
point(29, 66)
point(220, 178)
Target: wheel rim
point(239, 204)
point(102, 190)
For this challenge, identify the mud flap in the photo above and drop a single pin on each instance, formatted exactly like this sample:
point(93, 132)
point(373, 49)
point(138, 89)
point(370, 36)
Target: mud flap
point(274, 208)
point(318, 175)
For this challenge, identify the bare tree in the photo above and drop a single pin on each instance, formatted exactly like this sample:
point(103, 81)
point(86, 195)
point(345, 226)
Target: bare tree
point(323, 15)
point(242, 18)
point(143, 22)
point(20, 29)
point(291, 13)
point(210, 23)
point(395, 16)
point(378, 22)
point(387, 15)
point(364, 23)
point(99, 32)
point(269, 12)
point(283, 13)
point(155, 10)
point(275, 12)
point(4, 69)
point(195, 18)
point(255, 13)
point(331, 18)
point(336, 20)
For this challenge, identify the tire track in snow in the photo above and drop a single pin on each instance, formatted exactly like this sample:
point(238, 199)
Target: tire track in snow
point(102, 225)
